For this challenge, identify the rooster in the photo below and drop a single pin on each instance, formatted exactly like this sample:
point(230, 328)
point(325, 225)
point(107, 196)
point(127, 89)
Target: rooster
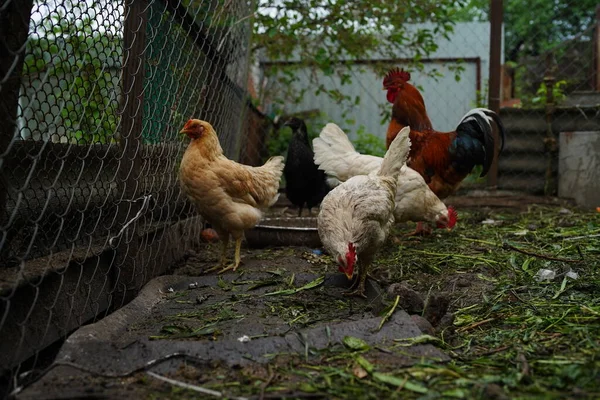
point(335, 154)
point(356, 216)
point(230, 196)
point(304, 183)
point(443, 159)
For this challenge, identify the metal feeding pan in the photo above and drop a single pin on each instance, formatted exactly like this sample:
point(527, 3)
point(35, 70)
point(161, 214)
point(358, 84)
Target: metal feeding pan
point(284, 231)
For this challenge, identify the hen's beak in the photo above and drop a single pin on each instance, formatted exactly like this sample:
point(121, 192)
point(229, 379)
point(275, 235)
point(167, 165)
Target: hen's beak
point(348, 275)
point(183, 131)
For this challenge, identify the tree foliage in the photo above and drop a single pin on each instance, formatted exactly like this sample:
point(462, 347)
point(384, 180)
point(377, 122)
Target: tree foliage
point(533, 27)
point(69, 47)
point(326, 36)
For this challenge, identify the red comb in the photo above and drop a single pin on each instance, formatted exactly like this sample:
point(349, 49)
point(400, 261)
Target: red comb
point(452, 217)
point(188, 124)
point(395, 73)
point(351, 248)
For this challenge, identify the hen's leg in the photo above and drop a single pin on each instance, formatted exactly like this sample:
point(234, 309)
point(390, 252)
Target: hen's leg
point(422, 230)
point(238, 258)
point(360, 289)
point(223, 260)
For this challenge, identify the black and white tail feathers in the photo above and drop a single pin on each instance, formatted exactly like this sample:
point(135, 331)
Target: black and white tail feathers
point(475, 139)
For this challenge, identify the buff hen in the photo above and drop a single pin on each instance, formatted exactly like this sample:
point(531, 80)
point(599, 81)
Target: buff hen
point(229, 195)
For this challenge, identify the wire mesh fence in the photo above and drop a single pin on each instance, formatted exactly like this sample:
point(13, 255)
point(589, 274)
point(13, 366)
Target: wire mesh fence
point(455, 78)
point(93, 95)
point(546, 95)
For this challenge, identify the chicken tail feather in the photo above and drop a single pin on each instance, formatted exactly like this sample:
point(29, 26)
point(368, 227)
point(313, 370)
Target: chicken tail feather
point(395, 157)
point(475, 130)
point(334, 137)
point(335, 154)
point(330, 153)
point(275, 162)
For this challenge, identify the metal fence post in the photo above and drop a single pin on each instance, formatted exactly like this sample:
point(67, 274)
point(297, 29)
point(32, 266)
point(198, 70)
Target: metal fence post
point(14, 28)
point(495, 78)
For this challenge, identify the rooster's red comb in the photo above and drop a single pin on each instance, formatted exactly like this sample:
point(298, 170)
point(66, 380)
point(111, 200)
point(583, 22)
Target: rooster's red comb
point(395, 73)
point(452, 217)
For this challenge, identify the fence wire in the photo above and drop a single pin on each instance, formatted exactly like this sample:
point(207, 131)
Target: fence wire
point(93, 95)
point(547, 95)
point(453, 78)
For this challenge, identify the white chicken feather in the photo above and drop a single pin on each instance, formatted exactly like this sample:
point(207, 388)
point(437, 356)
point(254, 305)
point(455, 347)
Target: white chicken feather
point(335, 154)
point(356, 216)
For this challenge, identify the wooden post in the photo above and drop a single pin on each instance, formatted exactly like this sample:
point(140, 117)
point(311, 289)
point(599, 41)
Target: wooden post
point(134, 42)
point(597, 51)
point(495, 78)
point(550, 142)
point(14, 28)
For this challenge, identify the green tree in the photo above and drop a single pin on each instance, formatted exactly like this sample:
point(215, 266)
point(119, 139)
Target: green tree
point(532, 27)
point(319, 34)
point(74, 49)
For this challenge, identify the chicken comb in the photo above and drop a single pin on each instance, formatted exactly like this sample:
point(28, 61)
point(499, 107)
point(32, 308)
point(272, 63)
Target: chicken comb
point(188, 124)
point(351, 248)
point(452, 217)
point(395, 73)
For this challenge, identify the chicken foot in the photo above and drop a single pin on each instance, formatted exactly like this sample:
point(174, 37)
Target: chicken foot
point(223, 260)
point(359, 284)
point(238, 258)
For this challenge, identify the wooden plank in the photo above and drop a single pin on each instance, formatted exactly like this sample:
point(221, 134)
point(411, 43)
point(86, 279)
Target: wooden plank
point(596, 65)
point(14, 28)
point(130, 162)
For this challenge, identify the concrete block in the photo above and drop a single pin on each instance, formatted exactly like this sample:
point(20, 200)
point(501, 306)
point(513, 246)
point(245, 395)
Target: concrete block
point(579, 167)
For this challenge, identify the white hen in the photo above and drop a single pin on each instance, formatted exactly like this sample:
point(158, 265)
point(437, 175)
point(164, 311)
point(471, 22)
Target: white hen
point(356, 216)
point(335, 154)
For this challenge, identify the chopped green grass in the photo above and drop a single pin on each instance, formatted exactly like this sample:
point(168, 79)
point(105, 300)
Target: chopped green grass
point(512, 336)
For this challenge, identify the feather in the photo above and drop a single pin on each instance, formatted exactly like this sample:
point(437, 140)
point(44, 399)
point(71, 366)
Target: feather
point(396, 155)
point(335, 154)
point(474, 133)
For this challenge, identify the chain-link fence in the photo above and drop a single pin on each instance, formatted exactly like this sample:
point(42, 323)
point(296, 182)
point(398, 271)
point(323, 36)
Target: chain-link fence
point(93, 95)
point(455, 77)
point(547, 94)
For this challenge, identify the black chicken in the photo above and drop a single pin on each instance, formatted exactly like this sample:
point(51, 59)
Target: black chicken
point(305, 184)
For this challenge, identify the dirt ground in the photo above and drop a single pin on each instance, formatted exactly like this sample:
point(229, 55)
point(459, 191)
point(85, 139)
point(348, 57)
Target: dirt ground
point(467, 319)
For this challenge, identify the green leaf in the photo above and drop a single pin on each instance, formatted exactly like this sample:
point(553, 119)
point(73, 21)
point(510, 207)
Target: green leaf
point(525, 266)
point(563, 286)
point(321, 56)
point(354, 343)
point(310, 285)
point(399, 382)
point(363, 362)
point(307, 387)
